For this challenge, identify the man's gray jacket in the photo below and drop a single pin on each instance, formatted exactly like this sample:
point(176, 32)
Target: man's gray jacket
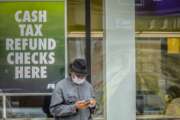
point(65, 95)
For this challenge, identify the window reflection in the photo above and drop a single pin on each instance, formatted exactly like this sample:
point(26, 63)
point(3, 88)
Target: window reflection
point(76, 43)
point(26, 107)
point(157, 58)
point(158, 82)
point(148, 66)
point(76, 49)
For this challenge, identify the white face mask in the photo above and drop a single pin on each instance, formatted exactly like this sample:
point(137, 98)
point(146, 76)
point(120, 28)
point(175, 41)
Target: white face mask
point(77, 80)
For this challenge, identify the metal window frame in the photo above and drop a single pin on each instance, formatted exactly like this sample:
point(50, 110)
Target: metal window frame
point(88, 36)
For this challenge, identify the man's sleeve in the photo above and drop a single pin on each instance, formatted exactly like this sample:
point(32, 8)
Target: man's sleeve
point(57, 106)
point(92, 109)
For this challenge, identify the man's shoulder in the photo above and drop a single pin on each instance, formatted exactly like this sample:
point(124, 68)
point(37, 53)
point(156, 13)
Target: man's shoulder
point(61, 82)
point(88, 84)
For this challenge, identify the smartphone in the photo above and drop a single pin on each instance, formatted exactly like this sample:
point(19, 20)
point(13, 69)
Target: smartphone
point(87, 102)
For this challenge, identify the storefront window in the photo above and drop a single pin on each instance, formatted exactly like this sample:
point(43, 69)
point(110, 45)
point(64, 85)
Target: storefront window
point(76, 42)
point(23, 106)
point(157, 59)
point(77, 45)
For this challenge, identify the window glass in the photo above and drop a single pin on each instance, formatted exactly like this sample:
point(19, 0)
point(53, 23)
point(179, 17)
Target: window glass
point(76, 49)
point(76, 15)
point(97, 73)
point(157, 59)
point(27, 107)
point(76, 42)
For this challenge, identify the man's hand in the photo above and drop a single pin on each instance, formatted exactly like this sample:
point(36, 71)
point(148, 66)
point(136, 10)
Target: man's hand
point(92, 103)
point(82, 104)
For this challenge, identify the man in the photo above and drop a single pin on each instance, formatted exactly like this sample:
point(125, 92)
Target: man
point(73, 97)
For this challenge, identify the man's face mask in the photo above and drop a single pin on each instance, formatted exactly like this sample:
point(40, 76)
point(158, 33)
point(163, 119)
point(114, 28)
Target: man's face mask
point(78, 79)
